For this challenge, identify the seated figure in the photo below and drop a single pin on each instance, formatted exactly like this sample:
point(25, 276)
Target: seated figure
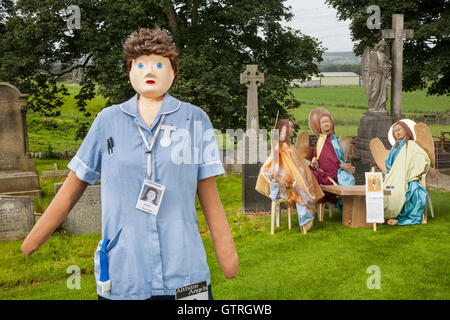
point(328, 164)
point(286, 175)
point(404, 166)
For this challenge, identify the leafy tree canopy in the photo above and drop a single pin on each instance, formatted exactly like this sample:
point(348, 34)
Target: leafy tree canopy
point(426, 57)
point(215, 39)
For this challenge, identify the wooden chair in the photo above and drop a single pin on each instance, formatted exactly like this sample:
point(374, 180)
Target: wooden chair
point(423, 182)
point(321, 210)
point(275, 215)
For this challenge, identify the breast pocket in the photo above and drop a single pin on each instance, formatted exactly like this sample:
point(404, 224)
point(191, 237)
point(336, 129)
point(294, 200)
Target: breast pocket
point(177, 159)
point(108, 164)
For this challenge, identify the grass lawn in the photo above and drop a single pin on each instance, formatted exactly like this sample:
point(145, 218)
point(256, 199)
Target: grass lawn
point(330, 262)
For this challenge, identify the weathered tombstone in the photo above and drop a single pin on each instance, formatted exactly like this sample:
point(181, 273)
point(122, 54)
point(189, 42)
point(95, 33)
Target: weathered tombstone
point(86, 215)
point(16, 217)
point(252, 200)
point(55, 173)
point(18, 174)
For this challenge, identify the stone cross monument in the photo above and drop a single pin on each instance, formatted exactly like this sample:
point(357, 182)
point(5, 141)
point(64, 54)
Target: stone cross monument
point(251, 199)
point(398, 34)
point(252, 78)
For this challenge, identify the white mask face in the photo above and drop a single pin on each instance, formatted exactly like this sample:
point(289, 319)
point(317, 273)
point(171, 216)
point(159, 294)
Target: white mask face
point(151, 76)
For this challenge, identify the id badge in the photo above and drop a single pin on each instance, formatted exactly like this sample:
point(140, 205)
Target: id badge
point(150, 197)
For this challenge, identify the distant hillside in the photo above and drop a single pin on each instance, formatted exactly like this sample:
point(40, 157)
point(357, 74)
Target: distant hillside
point(339, 58)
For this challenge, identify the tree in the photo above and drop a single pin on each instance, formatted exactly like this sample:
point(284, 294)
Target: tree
point(215, 39)
point(426, 58)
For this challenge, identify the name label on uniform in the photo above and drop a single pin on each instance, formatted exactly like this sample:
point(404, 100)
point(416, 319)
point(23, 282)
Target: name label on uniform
point(150, 197)
point(196, 291)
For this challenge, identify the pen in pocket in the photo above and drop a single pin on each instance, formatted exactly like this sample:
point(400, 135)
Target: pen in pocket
point(110, 144)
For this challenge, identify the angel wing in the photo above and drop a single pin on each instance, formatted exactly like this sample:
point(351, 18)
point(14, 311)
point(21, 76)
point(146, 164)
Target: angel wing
point(379, 153)
point(302, 145)
point(365, 71)
point(345, 146)
point(425, 140)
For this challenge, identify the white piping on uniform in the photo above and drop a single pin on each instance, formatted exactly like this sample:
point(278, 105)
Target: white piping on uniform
point(126, 111)
point(179, 105)
point(210, 163)
point(87, 166)
point(167, 112)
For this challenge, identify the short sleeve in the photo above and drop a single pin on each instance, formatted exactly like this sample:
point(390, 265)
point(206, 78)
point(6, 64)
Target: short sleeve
point(87, 161)
point(211, 165)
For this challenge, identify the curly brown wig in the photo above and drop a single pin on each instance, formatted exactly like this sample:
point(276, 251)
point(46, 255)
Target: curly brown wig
point(148, 42)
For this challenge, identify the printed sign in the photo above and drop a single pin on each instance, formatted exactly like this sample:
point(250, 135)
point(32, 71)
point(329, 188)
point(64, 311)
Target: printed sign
point(374, 197)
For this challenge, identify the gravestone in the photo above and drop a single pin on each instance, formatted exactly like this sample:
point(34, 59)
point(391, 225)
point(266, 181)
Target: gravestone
point(86, 215)
point(55, 173)
point(18, 174)
point(252, 200)
point(16, 217)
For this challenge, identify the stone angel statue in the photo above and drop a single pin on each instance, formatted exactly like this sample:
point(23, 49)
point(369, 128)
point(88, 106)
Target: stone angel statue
point(375, 69)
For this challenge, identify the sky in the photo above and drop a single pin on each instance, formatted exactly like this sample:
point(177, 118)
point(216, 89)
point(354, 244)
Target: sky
point(314, 18)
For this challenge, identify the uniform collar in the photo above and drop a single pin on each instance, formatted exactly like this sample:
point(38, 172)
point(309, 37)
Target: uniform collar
point(169, 105)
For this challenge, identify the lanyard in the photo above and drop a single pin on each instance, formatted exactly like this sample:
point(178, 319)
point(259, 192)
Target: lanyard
point(150, 147)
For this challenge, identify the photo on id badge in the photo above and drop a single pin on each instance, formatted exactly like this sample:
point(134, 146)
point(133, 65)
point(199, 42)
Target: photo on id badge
point(150, 197)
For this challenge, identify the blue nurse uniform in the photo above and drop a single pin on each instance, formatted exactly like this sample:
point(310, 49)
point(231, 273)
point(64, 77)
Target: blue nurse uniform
point(149, 255)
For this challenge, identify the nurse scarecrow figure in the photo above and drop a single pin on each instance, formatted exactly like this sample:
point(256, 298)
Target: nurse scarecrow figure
point(411, 156)
point(286, 175)
point(151, 140)
point(328, 164)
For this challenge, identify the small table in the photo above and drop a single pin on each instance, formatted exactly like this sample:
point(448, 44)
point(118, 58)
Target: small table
point(354, 211)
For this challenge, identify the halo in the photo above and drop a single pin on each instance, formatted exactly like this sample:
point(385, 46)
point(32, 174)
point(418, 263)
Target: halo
point(313, 119)
point(410, 125)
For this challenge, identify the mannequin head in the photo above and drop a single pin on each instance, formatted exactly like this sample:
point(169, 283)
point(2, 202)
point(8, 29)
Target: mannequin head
point(286, 130)
point(326, 125)
point(401, 131)
point(152, 62)
point(320, 121)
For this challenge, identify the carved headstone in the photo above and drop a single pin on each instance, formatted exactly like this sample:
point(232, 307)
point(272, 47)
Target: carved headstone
point(16, 217)
point(86, 215)
point(18, 174)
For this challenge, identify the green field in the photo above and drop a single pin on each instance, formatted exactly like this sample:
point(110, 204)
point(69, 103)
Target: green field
point(355, 97)
point(330, 262)
point(346, 104)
